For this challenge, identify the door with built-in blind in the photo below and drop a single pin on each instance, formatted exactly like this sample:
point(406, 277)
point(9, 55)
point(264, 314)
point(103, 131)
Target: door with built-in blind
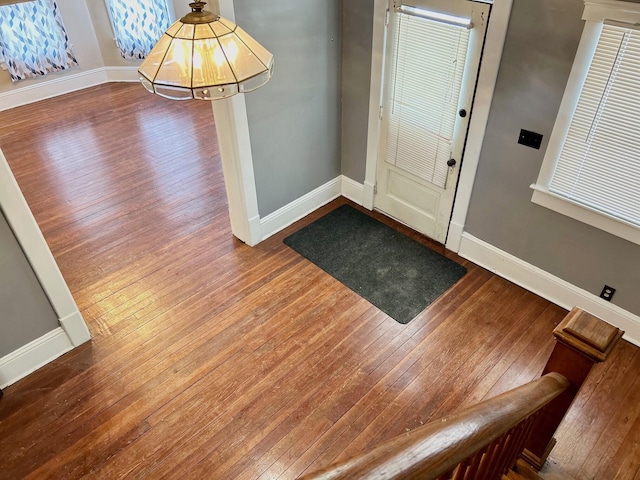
point(433, 50)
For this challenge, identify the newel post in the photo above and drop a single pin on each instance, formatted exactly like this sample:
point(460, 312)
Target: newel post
point(582, 340)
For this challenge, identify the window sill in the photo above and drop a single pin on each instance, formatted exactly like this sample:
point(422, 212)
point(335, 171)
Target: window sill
point(619, 228)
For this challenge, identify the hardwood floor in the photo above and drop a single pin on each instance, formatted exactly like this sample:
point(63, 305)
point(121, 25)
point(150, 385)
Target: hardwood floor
point(211, 359)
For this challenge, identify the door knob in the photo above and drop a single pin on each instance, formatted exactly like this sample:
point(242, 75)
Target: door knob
point(451, 163)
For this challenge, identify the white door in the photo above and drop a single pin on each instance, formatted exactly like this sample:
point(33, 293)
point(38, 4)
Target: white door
point(432, 60)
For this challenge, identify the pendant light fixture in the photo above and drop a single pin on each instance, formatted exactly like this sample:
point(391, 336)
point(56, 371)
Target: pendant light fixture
point(206, 57)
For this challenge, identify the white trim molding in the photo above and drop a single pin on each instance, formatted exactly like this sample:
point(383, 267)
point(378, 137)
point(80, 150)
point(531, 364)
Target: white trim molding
point(52, 88)
point(232, 127)
point(492, 54)
point(376, 89)
point(123, 74)
point(28, 234)
point(234, 140)
point(66, 84)
point(622, 11)
point(565, 206)
point(73, 328)
point(454, 236)
point(303, 206)
point(300, 208)
point(353, 190)
point(596, 12)
point(548, 286)
point(32, 356)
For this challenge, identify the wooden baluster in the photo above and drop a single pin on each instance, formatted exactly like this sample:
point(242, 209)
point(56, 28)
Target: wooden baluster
point(514, 447)
point(471, 472)
point(447, 476)
point(485, 461)
point(524, 430)
point(505, 445)
point(581, 341)
point(513, 440)
point(460, 470)
point(494, 452)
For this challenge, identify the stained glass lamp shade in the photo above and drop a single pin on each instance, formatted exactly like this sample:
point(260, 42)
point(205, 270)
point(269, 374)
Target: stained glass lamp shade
point(206, 57)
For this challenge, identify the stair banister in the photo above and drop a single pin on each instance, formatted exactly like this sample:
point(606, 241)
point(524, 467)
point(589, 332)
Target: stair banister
point(484, 441)
point(437, 448)
point(582, 340)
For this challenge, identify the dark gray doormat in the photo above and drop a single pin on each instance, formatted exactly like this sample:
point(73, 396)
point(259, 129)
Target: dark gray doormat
point(395, 273)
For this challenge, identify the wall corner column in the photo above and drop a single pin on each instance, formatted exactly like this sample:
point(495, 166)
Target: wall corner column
point(234, 140)
point(232, 127)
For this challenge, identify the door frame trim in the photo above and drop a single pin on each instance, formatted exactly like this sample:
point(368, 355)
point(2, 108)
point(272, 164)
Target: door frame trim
point(234, 141)
point(36, 250)
point(492, 54)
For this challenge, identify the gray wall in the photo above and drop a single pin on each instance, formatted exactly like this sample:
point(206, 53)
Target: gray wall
point(357, 33)
point(294, 120)
point(541, 43)
point(25, 311)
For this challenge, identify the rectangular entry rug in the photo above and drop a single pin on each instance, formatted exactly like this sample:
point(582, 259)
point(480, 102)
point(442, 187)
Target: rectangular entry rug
point(395, 273)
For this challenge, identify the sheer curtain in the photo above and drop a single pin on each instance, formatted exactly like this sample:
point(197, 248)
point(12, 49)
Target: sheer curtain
point(33, 40)
point(137, 25)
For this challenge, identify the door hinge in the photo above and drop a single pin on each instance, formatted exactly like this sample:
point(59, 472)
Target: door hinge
point(380, 112)
point(386, 18)
point(375, 188)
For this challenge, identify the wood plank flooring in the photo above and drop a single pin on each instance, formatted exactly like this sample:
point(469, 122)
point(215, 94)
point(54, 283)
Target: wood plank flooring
point(211, 359)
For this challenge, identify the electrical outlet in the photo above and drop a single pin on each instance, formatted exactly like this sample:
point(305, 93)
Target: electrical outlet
point(607, 293)
point(530, 139)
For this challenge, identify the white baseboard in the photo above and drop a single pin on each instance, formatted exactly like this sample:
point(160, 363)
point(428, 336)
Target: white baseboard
point(32, 356)
point(303, 206)
point(454, 237)
point(254, 231)
point(75, 328)
point(548, 286)
point(52, 88)
point(352, 190)
point(122, 74)
point(368, 194)
point(66, 84)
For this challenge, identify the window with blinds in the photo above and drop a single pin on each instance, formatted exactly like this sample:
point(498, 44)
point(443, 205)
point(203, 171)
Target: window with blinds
point(426, 70)
point(599, 163)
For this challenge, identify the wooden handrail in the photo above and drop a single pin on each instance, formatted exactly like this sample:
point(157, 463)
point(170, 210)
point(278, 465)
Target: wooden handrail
point(484, 441)
point(436, 449)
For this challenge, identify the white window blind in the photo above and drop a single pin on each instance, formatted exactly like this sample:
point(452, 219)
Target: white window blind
point(599, 164)
point(426, 71)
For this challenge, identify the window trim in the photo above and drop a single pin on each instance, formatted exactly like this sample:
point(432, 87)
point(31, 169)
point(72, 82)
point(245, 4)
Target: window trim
point(595, 13)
